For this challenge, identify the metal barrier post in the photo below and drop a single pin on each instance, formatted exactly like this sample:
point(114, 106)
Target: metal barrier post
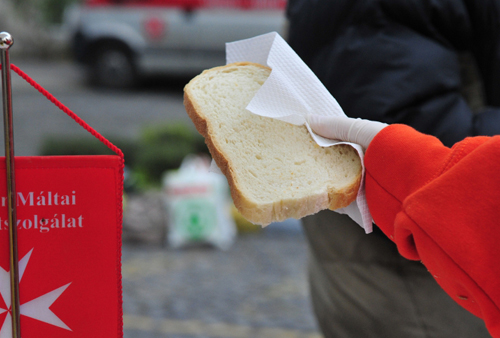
point(6, 42)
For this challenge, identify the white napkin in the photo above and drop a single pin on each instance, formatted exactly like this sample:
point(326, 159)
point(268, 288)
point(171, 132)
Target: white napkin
point(292, 92)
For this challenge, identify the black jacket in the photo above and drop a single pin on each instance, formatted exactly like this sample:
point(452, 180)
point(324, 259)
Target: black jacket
point(397, 61)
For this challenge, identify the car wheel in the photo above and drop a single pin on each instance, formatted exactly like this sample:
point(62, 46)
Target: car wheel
point(113, 67)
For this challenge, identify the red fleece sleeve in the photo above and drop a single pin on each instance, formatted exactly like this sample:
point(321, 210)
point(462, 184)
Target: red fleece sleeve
point(441, 206)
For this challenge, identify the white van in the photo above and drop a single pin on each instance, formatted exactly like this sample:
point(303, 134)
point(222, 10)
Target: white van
point(122, 40)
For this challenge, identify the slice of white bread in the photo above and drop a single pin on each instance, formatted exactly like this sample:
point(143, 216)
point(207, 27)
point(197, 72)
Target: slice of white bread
point(274, 169)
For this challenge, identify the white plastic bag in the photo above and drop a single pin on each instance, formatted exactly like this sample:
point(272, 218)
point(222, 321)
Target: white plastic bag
point(198, 205)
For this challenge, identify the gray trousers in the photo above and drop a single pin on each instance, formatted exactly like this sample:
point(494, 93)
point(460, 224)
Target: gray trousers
point(361, 287)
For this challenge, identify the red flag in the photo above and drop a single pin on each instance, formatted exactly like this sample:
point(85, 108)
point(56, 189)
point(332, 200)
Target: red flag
point(69, 212)
point(69, 222)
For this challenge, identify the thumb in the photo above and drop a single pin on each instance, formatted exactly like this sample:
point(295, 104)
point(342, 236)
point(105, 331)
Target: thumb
point(332, 127)
point(347, 129)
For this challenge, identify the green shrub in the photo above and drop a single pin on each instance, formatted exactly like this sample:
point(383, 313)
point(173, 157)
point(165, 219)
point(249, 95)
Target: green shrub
point(158, 149)
point(85, 145)
point(163, 147)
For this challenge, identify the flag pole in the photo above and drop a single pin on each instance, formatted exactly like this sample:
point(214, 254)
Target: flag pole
point(6, 42)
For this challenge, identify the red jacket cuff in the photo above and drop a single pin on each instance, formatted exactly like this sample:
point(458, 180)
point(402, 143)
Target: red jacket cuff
point(398, 162)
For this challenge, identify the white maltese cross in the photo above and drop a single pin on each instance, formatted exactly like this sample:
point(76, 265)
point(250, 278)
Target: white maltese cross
point(37, 308)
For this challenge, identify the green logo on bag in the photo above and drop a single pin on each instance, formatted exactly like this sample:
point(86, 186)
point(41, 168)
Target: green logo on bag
point(197, 218)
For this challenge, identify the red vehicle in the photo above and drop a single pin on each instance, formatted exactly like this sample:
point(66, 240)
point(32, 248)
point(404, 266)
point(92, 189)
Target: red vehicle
point(121, 40)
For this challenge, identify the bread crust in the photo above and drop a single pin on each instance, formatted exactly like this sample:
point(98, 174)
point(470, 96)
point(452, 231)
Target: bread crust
point(271, 212)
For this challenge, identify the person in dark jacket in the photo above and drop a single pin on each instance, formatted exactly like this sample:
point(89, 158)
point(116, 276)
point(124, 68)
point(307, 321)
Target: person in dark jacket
point(396, 62)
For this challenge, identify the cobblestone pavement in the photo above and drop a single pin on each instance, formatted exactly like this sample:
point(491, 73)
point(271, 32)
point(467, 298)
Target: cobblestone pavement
point(257, 288)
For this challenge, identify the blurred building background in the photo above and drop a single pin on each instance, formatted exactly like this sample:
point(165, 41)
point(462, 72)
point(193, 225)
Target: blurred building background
point(256, 287)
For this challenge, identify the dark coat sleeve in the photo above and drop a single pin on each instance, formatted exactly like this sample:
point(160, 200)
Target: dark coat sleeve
point(398, 61)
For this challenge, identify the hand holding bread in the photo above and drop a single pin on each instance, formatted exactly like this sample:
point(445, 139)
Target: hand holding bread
point(274, 169)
